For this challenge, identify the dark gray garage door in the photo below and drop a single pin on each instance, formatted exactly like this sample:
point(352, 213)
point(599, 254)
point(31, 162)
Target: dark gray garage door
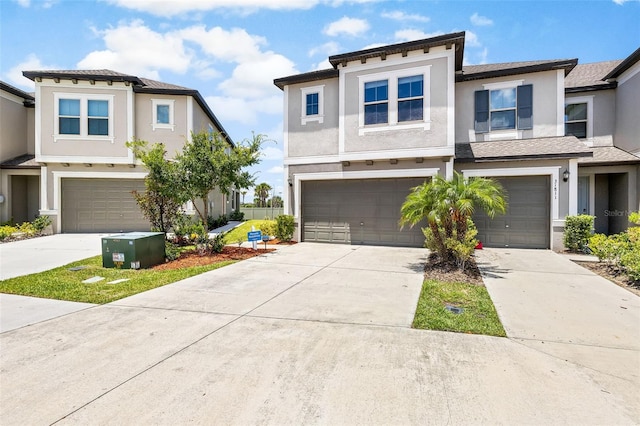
point(526, 224)
point(363, 211)
point(101, 205)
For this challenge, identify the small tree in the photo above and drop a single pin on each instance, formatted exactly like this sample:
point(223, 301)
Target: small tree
point(161, 201)
point(209, 162)
point(447, 207)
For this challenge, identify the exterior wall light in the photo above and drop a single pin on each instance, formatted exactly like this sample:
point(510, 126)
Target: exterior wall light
point(565, 175)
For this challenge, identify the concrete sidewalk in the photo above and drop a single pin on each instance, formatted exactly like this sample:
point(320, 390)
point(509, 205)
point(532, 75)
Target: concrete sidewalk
point(310, 334)
point(548, 303)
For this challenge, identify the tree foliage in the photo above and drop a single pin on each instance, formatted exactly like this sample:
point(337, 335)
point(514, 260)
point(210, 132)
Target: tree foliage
point(161, 201)
point(208, 162)
point(447, 207)
point(261, 194)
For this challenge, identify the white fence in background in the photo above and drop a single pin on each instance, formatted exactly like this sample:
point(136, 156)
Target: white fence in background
point(261, 212)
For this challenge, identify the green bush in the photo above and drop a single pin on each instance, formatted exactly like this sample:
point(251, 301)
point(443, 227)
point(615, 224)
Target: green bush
point(41, 222)
point(285, 226)
point(577, 231)
point(634, 218)
point(6, 231)
point(621, 251)
point(630, 262)
point(268, 227)
point(237, 215)
point(171, 251)
point(27, 228)
point(212, 223)
point(206, 245)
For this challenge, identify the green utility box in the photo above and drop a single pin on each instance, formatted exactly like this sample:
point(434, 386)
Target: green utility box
point(133, 250)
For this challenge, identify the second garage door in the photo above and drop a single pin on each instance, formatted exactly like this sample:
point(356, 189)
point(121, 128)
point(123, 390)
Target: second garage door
point(526, 223)
point(358, 211)
point(101, 205)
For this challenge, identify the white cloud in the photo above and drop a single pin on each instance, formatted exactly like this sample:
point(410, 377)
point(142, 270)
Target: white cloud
point(254, 79)
point(171, 8)
point(272, 153)
point(374, 45)
point(235, 45)
point(242, 110)
point(136, 49)
point(276, 170)
point(346, 26)
point(471, 39)
point(31, 63)
point(323, 65)
point(476, 58)
point(327, 49)
point(23, 3)
point(411, 35)
point(398, 15)
point(482, 21)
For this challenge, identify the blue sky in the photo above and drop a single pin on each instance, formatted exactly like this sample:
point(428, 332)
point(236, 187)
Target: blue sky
point(231, 50)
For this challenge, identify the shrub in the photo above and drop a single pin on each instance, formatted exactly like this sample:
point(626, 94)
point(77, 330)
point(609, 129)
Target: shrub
point(608, 249)
point(237, 215)
point(634, 218)
point(41, 222)
point(206, 245)
point(217, 223)
point(630, 262)
point(171, 251)
point(268, 227)
point(577, 231)
point(463, 249)
point(285, 227)
point(27, 228)
point(185, 229)
point(6, 231)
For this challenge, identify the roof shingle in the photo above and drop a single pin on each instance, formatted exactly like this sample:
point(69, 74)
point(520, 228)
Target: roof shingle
point(590, 75)
point(609, 155)
point(522, 149)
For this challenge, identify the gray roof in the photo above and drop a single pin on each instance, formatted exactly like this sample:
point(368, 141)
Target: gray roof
point(625, 65)
point(306, 77)
point(26, 161)
point(15, 91)
point(475, 72)
point(608, 155)
point(522, 149)
point(153, 84)
point(98, 75)
point(591, 75)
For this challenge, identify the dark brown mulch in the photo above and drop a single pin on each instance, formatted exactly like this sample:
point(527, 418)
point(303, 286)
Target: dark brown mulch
point(448, 272)
point(192, 258)
point(612, 274)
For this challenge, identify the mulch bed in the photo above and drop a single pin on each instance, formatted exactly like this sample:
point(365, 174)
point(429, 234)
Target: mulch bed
point(192, 258)
point(446, 272)
point(612, 274)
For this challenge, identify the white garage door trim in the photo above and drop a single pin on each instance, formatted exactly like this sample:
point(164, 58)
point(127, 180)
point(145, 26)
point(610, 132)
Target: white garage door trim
point(364, 174)
point(552, 171)
point(57, 185)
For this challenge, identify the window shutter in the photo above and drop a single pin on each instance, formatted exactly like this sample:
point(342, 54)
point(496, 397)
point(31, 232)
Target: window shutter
point(481, 123)
point(525, 107)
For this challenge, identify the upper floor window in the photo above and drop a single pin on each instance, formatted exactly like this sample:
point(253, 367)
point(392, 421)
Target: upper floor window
point(312, 104)
point(163, 114)
point(504, 108)
point(376, 102)
point(69, 116)
point(394, 100)
point(575, 120)
point(410, 98)
point(83, 116)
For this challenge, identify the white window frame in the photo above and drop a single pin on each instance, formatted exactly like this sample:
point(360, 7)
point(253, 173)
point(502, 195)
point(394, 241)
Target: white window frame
point(164, 102)
point(319, 117)
point(84, 117)
point(392, 78)
point(582, 100)
point(497, 134)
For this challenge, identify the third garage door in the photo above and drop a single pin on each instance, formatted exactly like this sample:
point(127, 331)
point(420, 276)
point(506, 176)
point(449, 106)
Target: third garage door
point(526, 223)
point(358, 211)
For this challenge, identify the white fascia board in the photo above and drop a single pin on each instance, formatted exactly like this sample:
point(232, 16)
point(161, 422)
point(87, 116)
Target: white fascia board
point(11, 97)
point(443, 151)
point(396, 59)
point(72, 159)
point(362, 174)
point(635, 69)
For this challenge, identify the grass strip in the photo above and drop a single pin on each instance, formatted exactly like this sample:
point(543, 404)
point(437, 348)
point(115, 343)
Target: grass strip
point(479, 316)
point(63, 284)
point(239, 233)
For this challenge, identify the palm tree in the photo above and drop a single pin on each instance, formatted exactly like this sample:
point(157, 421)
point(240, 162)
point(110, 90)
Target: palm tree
point(448, 205)
point(262, 193)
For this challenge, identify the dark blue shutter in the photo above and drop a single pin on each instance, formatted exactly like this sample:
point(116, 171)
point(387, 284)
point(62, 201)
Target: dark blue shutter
point(481, 123)
point(525, 107)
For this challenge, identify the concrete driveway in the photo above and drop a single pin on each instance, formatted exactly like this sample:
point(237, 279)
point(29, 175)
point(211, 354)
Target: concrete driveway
point(309, 334)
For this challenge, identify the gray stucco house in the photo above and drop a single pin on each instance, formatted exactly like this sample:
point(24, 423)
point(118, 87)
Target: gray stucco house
point(562, 138)
point(63, 152)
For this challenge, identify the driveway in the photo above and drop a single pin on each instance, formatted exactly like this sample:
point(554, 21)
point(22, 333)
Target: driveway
point(312, 333)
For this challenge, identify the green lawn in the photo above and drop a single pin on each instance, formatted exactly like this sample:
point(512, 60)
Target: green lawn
point(63, 284)
point(240, 232)
point(479, 316)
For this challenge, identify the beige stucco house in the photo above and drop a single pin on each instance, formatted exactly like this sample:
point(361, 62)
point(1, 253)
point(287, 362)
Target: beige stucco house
point(64, 153)
point(358, 136)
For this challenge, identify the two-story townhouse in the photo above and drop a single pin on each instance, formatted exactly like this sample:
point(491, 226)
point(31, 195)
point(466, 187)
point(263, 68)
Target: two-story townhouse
point(82, 121)
point(19, 173)
point(601, 105)
point(360, 135)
